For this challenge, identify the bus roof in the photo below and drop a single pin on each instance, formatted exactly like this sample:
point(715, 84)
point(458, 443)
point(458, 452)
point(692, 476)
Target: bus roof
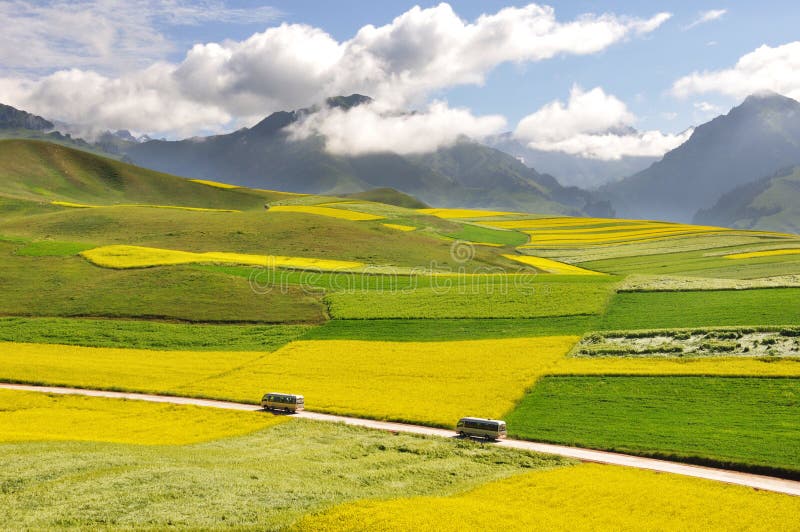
point(481, 419)
point(284, 394)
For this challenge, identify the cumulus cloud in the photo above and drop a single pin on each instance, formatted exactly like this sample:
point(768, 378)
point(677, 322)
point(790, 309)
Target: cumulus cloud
point(293, 65)
point(766, 68)
point(372, 128)
point(707, 107)
point(595, 125)
point(706, 16)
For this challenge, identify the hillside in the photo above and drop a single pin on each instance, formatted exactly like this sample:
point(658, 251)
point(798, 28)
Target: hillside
point(12, 118)
point(754, 139)
point(43, 172)
point(770, 204)
point(465, 175)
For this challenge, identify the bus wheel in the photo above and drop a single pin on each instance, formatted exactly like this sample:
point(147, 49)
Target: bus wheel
point(462, 434)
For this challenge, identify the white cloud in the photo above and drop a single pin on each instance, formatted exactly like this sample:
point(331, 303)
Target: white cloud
point(707, 107)
point(595, 125)
point(706, 16)
point(106, 35)
point(764, 69)
point(372, 128)
point(289, 66)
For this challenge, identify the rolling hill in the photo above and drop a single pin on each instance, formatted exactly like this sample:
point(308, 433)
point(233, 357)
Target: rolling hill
point(770, 204)
point(754, 139)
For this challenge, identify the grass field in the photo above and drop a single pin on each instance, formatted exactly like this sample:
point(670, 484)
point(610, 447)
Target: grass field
point(584, 497)
point(262, 481)
point(69, 286)
point(743, 422)
point(544, 297)
point(477, 233)
point(664, 310)
point(28, 417)
point(143, 334)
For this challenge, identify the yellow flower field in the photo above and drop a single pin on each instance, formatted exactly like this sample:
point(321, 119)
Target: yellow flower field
point(551, 266)
point(431, 382)
point(766, 253)
point(176, 207)
point(582, 497)
point(123, 257)
point(29, 416)
point(215, 184)
point(399, 227)
point(462, 213)
point(326, 211)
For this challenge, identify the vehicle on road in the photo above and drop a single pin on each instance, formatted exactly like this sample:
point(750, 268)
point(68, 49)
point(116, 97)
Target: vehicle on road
point(283, 401)
point(491, 429)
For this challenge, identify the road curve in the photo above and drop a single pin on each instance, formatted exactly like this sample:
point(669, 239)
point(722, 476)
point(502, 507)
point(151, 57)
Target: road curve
point(760, 482)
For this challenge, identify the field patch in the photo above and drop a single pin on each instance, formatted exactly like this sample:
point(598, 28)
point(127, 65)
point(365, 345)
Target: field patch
point(765, 253)
point(343, 214)
point(487, 235)
point(142, 334)
point(667, 310)
point(50, 248)
point(33, 416)
point(550, 265)
point(400, 227)
point(584, 497)
point(748, 423)
point(449, 214)
point(177, 207)
point(122, 257)
point(262, 481)
point(518, 298)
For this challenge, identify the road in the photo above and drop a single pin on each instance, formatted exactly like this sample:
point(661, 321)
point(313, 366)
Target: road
point(761, 482)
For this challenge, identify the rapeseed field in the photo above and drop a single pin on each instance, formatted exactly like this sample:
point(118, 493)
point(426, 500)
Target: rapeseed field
point(326, 211)
point(29, 416)
point(583, 497)
point(551, 266)
point(123, 257)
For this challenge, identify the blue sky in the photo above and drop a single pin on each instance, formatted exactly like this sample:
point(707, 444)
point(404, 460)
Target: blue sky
point(133, 58)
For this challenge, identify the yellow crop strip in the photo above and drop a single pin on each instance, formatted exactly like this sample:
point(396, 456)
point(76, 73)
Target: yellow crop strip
point(124, 257)
point(176, 207)
point(766, 253)
point(551, 266)
point(462, 213)
point(399, 227)
point(583, 497)
point(215, 184)
point(29, 416)
point(327, 211)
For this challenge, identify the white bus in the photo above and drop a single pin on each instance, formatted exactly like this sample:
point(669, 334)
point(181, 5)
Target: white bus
point(283, 401)
point(491, 429)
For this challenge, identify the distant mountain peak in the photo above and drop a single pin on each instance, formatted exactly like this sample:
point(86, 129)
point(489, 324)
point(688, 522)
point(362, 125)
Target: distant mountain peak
point(768, 99)
point(13, 118)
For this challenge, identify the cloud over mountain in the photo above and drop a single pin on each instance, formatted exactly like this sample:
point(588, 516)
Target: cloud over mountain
point(592, 124)
point(401, 63)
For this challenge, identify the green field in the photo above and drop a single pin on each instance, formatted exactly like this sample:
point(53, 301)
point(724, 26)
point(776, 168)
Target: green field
point(263, 481)
point(664, 310)
point(141, 334)
point(746, 423)
point(476, 233)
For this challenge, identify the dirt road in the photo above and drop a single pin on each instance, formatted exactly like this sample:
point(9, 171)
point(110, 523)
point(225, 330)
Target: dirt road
point(587, 455)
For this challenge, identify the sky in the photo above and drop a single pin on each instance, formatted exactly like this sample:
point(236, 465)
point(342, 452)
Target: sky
point(596, 79)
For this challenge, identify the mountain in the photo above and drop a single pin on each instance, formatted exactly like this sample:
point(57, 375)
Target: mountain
point(754, 139)
point(769, 204)
point(571, 169)
point(11, 118)
point(467, 174)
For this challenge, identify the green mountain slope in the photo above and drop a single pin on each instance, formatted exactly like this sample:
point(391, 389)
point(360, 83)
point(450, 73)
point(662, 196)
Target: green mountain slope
point(771, 204)
point(43, 172)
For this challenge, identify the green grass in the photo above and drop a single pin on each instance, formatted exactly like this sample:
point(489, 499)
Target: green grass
point(49, 248)
point(475, 233)
point(264, 481)
point(544, 297)
point(71, 287)
point(665, 310)
point(437, 330)
point(747, 423)
point(148, 334)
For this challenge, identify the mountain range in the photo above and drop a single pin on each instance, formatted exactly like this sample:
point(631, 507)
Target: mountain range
point(755, 139)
